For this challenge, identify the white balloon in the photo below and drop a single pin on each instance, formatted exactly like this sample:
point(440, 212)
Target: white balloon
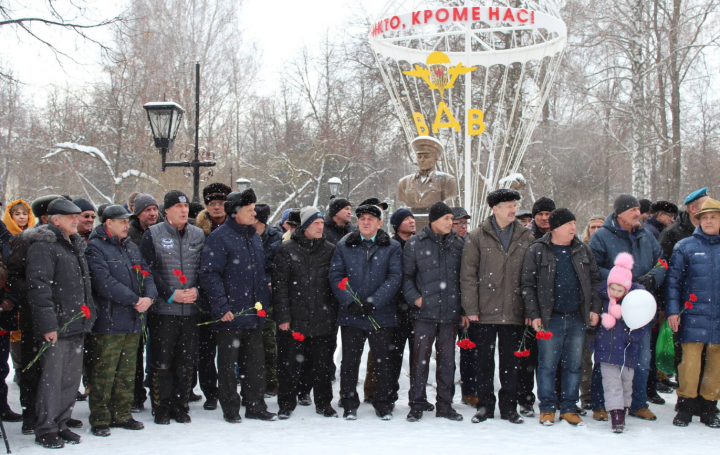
point(638, 308)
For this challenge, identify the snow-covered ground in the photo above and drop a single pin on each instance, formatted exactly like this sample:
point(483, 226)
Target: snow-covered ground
point(308, 433)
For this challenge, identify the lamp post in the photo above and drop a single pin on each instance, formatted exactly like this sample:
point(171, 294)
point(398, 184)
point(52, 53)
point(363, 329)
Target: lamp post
point(164, 118)
point(242, 184)
point(334, 184)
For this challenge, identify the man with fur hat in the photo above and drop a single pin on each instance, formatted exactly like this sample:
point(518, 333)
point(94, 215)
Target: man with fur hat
point(369, 263)
point(337, 220)
point(59, 294)
point(214, 197)
point(490, 275)
point(662, 214)
point(172, 250)
point(232, 274)
point(427, 186)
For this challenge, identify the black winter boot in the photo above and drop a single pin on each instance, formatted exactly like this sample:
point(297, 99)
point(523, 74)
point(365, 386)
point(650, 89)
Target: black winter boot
point(685, 410)
point(708, 416)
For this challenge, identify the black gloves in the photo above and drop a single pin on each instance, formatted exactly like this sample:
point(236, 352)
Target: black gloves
point(648, 282)
point(356, 309)
point(368, 308)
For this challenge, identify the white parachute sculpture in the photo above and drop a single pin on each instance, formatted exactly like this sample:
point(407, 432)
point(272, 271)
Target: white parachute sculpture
point(475, 74)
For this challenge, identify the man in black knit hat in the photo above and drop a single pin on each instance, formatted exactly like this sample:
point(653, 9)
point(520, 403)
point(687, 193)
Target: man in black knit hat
point(337, 220)
point(540, 225)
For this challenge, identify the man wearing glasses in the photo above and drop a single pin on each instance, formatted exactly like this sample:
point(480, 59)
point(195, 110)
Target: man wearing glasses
point(86, 219)
point(662, 214)
point(460, 221)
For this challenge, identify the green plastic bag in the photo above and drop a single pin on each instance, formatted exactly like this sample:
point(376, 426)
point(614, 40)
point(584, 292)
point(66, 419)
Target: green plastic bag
point(665, 350)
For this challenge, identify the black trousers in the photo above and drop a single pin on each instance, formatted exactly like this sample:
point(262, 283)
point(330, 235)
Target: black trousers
point(426, 334)
point(402, 334)
point(292, 356)
point(140, 394)
point(353, 343)
point(30, 378)
point(244, 348)
point(207, 371)
point(468, 364)
point(508, 340)
point(173, 341)
point(527, 366)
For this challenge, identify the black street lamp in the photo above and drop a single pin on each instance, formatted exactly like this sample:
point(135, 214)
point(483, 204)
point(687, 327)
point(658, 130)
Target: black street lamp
point(164, 118)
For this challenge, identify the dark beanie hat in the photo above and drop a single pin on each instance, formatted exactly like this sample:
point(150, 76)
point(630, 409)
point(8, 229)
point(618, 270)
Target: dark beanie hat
point(195, 209)
point(175, 197)
point(373, 210)
point(336, 205)
point(84, 204)
point(645, 205)
point(216, 192)
point(398, 217)
point(560, 216)
point(40, 205)
point(502, 195)
point(625, 202)
point(262, 213)
point(544, 204)
point(437, 211)
point(101, 208)
point(143, 201)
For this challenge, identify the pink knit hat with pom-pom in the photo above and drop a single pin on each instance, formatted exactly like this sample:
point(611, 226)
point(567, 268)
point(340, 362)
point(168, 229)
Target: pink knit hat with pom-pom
point(620, 274)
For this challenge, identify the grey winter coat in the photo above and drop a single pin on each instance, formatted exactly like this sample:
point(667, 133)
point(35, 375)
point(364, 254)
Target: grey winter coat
point(431, 270)
point(58, 283)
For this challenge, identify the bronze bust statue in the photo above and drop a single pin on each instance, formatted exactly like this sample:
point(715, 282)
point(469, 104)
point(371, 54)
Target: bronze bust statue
point(421, 190)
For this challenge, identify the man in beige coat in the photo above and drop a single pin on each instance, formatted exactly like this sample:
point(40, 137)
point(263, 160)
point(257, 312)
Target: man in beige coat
point(491, 269)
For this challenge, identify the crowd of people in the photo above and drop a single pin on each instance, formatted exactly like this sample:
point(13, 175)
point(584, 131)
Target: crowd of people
point(163, 297)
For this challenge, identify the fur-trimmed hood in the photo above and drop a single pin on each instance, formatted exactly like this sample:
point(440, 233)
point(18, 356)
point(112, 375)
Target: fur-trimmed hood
point(40, 233)
point(204, 222)
point(355, 239)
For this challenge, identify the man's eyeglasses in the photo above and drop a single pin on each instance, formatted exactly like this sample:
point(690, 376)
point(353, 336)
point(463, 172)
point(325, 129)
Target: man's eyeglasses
point(88, 216)
point(460, 223)
point(216, 204)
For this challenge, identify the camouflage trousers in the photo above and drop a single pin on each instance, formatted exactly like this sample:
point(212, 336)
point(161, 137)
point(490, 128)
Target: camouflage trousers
point(113, 377)
point(270, 344)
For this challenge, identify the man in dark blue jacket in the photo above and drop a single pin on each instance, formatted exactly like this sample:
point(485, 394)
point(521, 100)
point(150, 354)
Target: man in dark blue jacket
point(372, 263)
point(431, 285)
point(691, 278)
point(624, 233)
point(232, 273)
point(123, 290)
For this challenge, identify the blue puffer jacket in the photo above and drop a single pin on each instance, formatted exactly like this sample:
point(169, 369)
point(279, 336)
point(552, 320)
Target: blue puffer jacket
point(232, 274)
point(619, 345)
point(695, 269)
point(115, 285)
point(610, 240)
point(375, 275)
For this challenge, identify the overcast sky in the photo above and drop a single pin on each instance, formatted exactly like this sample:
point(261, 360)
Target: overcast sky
point(273, 25)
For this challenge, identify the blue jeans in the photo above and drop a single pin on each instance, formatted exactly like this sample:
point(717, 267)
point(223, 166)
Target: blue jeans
point(640, 380)
point(564, 349)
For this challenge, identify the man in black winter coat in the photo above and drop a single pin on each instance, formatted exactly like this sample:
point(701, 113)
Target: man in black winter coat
point(337, 220)
point(306, 312)
point(59, 294)
point(232, 275)
point(685, 224)
point(431, 284)
point(559, 282)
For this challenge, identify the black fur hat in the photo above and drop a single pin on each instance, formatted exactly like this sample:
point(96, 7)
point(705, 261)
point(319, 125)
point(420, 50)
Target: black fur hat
point(502, 195)
point(216, 192)
point(236, 200)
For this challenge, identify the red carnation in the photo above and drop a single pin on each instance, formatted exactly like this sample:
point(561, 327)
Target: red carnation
point(518, 354)
point(182, 279)
point(526, 353)
point(137, 268)
point(261, 313)
point(3, 332)
point(144, 273)
point(177, 272)
point(470, 344)
point(85, 311)
point(343, 284)
point(540, 335)
point(688, 305)
point(548, 335)
point(298, 336)
point(693, 298)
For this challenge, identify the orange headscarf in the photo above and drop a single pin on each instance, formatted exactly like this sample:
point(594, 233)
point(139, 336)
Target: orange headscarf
point(11, 224)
